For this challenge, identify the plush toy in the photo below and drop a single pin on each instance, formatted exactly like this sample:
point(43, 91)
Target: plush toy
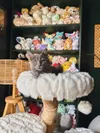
point(59, 35)
point(42, 47)
point(36, 42)
point(25, 43)
point(46, 20)
point(59, 11)
point(37, 16)
point(61, 109)
point(65, 121)
point(85, 107)
point(57, 68)
point(24, 11)
point(73, 60)
point(49, 38)
point(18, 46)
point(17, 21)
point(55, 18)
point(70, 15)
point(34, 8)
point(71, 10)
point(45, 10)
point(58, 44)
point(21, 56)
point(34, 109)
point(66, 66)
point(73, 68)
point(27, 17)
point(58, 59)
point(21, 41)
point(68, 44)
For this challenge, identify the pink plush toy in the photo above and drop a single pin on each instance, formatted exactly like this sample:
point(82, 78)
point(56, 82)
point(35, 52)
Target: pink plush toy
point(58, 60)
point(59, 44)
point(36, 42)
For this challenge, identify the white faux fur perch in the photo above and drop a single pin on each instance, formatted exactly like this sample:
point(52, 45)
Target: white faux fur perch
point(67, 85)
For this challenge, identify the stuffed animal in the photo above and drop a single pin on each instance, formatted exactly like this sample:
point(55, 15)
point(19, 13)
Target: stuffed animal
point(73, 60)
point(24, 11)
point(58, 59)
point(85, 107)
point(49, 38)
point(34, 8)
point(17, 21)
point(36, 42)
point(34, 109)
point(61, 109)
point(65, 121)
point(59, 35)
point(68, 44)
point(58, 44)
point(66, 66)
point(25, 43)
point(70, 15)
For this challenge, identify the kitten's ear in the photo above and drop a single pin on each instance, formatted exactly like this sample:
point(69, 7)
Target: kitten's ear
point(44, 52)
point(29, 55)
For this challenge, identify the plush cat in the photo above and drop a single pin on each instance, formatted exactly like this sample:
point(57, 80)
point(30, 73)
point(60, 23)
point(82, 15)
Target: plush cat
point(40, 63)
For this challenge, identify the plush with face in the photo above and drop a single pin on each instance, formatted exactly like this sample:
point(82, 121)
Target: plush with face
point(39, 63)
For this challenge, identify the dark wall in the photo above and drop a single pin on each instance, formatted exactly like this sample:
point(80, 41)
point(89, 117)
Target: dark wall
point(91, 16)
point(5, 47)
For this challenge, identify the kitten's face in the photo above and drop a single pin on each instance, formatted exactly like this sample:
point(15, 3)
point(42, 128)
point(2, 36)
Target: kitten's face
point(39, 62)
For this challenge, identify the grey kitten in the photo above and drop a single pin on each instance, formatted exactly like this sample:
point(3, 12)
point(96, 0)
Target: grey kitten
point(39, 63)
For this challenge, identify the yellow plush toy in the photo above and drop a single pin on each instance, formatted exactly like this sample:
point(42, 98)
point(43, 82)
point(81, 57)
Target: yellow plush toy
point(73, 60)
point(68, 44)
point(66, 66)
point(24, 11)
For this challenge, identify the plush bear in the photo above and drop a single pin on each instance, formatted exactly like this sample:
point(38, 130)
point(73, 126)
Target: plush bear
point(68, 44)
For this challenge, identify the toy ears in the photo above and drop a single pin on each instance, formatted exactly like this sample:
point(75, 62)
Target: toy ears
point(29, 55)
point(45, 52)
point(67, 7)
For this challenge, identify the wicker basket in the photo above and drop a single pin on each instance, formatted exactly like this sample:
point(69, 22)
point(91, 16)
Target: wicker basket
point(6, 66)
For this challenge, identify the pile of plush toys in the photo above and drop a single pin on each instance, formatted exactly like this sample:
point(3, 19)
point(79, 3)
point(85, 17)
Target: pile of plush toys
point(53, 41)
point(44, 15)
point(67, 64)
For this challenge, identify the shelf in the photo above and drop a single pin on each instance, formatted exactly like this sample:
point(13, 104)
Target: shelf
point(55, 25)
point(47, 28)
point(53, 52)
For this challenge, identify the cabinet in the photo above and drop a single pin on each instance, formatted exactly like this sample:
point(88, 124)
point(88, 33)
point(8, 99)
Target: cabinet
point(38, 30)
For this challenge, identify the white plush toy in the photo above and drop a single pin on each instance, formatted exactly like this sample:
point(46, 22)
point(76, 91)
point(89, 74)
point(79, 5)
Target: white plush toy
point(85, 107)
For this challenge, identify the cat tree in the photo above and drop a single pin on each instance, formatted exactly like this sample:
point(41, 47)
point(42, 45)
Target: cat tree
point(52, 88)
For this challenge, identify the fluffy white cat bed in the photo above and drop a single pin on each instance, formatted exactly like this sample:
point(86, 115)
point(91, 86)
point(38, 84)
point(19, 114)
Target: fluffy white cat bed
point(67, 85)
point(22, 123)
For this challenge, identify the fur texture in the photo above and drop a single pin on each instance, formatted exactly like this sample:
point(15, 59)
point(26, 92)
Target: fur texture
point(40, 63)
